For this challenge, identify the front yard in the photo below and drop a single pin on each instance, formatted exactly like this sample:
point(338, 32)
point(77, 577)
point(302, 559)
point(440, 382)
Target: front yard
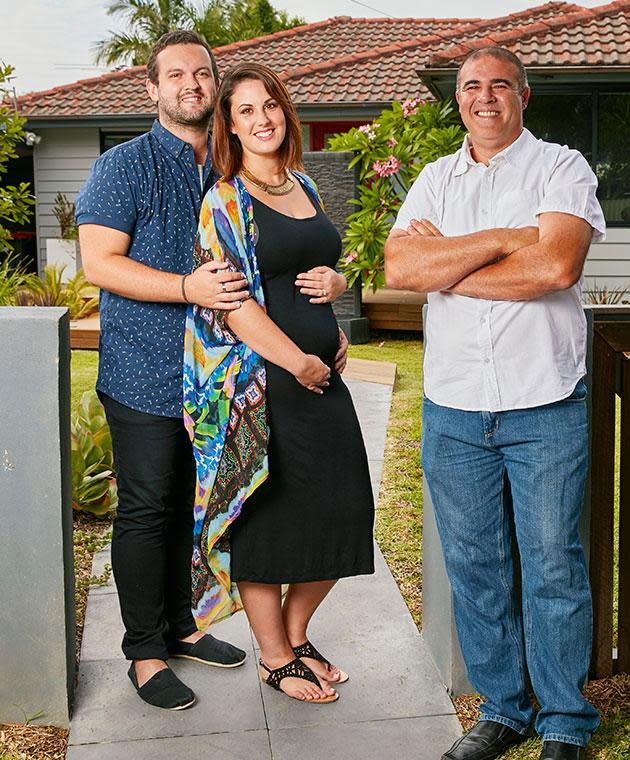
point(398, 532)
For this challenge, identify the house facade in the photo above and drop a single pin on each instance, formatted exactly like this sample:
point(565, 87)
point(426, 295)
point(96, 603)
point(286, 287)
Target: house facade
point(578, 62)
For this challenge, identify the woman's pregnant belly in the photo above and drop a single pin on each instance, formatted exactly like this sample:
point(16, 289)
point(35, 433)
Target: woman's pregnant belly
point(312, 327)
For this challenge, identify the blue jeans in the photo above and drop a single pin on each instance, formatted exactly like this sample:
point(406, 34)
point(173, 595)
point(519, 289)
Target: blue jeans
point(542, 452)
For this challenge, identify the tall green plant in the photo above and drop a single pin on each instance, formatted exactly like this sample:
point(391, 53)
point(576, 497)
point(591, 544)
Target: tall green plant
point(390, 153)
point(16, 201)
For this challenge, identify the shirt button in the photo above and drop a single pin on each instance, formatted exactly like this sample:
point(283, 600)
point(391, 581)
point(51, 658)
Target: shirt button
point(486, 361)
point(483, 320)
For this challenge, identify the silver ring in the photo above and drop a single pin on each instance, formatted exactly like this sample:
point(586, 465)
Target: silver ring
point(324, 293)
point(223, 287)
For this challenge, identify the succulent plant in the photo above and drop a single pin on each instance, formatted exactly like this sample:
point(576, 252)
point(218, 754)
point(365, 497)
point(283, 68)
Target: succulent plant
point(93, 485)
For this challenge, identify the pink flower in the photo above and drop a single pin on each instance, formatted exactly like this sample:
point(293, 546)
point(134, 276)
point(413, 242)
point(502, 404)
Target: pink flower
point(350, 258)
point(392, 142)
point(368, 129)
point(386, 168)
point(410, 106)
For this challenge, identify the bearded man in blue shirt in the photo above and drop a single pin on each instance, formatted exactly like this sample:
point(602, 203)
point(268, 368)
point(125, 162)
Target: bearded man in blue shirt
point(137, 216)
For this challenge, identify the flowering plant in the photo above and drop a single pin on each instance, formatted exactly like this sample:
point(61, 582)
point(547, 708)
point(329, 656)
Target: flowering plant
point(389, 154)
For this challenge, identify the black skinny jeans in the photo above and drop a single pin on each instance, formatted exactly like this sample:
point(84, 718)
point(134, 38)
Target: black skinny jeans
point(153, 528)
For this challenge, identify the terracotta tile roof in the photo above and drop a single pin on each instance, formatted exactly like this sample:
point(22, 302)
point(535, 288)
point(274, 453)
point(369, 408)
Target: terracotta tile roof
point(584, 37)
point(363, 61)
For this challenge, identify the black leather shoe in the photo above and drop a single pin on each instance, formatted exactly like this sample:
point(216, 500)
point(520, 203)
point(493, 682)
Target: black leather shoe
point(559, 751)
point(486, 740)
point(164, 690)
point(209, 651)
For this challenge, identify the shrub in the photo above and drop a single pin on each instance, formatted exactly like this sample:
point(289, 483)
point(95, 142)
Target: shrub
point(390, 153)
point(16, 202)
point(602, 294)
point(14, 276)
point(51, 291)
point(93, 487)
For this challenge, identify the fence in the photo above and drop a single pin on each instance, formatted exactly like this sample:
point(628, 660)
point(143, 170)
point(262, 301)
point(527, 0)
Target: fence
point(610, 379)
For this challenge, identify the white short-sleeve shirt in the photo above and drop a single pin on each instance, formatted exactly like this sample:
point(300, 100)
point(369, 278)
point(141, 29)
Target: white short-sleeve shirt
point(499, 355)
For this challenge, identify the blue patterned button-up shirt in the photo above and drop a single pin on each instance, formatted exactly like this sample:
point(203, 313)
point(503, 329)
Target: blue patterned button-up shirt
point(149, 188)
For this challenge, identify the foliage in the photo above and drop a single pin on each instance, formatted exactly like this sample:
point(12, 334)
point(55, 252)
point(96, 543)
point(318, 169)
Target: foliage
point(65, 211)
point(220, 22)
point(14, 276)
point(602, 294)
point(51, 291)
point(93, 489)
point(389, 154)
point(15, 201)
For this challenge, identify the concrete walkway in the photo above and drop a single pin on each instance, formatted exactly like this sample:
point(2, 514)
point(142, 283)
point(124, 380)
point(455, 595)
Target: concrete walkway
point(393, 706)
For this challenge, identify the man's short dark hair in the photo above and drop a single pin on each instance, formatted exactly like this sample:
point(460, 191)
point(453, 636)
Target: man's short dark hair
point(503, 55)
point(178, 37)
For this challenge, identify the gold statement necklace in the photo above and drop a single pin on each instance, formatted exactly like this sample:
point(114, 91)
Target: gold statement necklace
point(282, 189)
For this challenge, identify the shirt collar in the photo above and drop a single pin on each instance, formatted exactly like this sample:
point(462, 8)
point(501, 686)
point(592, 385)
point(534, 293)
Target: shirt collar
point(514, 154)
point(171, 142)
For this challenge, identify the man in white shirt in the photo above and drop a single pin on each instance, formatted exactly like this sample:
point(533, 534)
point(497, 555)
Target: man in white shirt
point(497, 234)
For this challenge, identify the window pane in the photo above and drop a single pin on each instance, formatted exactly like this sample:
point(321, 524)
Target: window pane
point(613, 156)
point(109, 139)
point(563, 118)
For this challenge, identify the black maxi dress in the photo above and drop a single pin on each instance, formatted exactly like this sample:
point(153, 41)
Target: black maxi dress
point(312, 519)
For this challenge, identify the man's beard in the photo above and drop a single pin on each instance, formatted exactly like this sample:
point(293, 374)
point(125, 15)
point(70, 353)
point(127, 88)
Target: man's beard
point(178, 115)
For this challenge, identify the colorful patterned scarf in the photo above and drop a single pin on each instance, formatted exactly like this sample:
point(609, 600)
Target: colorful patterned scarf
point(224, 401)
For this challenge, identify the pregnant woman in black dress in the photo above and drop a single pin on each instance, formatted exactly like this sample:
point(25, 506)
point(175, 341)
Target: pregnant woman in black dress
point(310, 521)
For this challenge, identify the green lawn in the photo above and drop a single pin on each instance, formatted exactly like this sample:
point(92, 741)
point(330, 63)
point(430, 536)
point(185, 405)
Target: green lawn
point(84, 366)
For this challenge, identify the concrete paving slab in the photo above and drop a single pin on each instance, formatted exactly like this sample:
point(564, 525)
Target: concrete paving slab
point(377, 608)
point(103, 631)
point(388, 679)
point(406, 739)
point(376, 470)
point(99, 562)
point(362, 595)
point(372, 403)
point(243, 745)
point(108, 709)
point(394, 701)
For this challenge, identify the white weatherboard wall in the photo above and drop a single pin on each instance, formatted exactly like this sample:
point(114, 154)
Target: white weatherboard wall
point(62, 162)
point(608, 263)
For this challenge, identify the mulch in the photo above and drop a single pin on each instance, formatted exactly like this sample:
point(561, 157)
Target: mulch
point(608, 695)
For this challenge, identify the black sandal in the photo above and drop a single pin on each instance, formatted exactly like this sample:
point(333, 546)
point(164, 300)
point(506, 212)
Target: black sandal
point(308, 650)
point(296, 669)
